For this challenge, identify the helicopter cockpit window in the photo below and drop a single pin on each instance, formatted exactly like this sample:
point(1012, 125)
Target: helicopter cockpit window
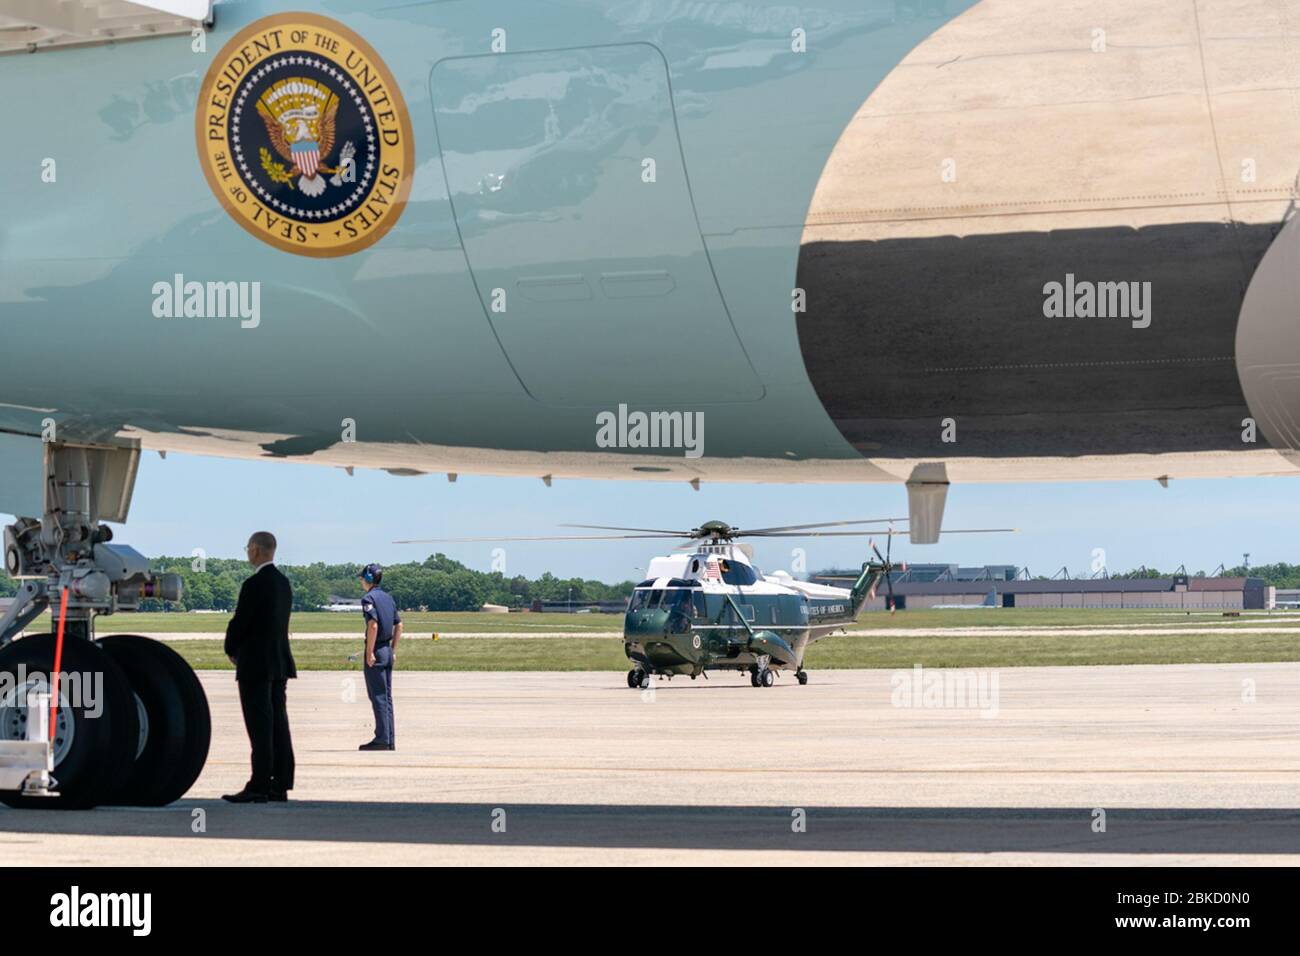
point(677, 599)
point(667, 599)
point(642, 599)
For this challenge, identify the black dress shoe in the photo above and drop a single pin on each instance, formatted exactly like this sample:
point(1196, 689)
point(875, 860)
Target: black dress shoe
point(246, 796)
point(375, 745)
point(278, 796)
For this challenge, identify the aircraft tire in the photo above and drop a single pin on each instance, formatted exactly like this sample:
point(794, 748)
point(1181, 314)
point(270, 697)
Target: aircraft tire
point(177, 729)
point(95, 745)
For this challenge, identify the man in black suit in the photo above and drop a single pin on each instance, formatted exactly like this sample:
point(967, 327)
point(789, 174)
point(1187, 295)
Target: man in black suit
point(257, 643)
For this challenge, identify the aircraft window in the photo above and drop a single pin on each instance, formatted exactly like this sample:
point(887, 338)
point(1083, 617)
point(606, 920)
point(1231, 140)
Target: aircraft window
point(733, 572)
point(644, 599)
point(729, 614)
point(701, 609)
point(773, 613)
point(678, 600)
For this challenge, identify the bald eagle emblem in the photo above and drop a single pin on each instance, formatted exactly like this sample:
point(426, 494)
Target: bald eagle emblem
point(300, 116)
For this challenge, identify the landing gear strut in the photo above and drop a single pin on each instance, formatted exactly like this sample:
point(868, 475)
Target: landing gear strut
point(133, 725)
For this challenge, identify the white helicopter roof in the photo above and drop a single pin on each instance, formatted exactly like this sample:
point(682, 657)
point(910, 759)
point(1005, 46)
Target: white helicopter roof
point(702, 565)
point(695, 565)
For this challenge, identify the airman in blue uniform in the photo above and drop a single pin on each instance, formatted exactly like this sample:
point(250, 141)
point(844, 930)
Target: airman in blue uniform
point(383, 631)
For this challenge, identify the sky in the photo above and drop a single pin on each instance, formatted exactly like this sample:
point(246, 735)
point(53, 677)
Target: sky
point(318, 513)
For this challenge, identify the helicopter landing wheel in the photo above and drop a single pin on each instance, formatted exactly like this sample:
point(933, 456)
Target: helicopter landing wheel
point(643, 679)
point(632, 679)
point(766, 678)
point(753, 678)
point(802, 676)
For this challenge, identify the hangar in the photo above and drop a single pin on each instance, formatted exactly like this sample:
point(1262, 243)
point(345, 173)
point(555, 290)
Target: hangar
point(1178, 592)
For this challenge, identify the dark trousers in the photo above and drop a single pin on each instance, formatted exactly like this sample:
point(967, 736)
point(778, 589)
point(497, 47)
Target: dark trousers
point(379, 685)
point(267, 720)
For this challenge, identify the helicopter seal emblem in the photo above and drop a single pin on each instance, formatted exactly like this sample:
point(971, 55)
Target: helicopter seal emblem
point(304, 136)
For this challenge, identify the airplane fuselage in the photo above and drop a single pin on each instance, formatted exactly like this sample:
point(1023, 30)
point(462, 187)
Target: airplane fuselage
point(836, 243)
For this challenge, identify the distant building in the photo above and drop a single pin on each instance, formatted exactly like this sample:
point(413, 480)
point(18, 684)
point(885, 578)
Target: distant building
point(342, 604)
point(580, 607)
point(917, 573)
point(1172, 593)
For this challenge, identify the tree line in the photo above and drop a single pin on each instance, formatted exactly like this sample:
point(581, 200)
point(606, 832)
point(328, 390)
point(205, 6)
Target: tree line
point(436, 584)
point(439, 583)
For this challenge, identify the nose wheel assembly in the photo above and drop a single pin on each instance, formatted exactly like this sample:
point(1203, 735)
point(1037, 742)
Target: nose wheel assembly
point(131, 723)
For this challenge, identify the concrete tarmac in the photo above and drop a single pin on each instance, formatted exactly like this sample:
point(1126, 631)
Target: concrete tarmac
point(1180, 763)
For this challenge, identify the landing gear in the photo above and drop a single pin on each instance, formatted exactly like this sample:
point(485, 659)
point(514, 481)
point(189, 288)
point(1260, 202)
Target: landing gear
point(175, 727)
point(761, 677)
point(97, 729)
point(802, 677)
point(638, 678)
point(132, 725)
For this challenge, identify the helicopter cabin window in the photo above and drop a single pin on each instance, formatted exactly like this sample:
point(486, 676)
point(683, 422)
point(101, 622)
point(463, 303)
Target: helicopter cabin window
point(772, 610)
point(729, 614)
point(734, 572)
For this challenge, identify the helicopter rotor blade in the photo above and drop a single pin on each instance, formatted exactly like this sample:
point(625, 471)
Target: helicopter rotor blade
point(819, 524)
point(889, 582)
point(539, 537)
point(605, 527)
point(863, 534)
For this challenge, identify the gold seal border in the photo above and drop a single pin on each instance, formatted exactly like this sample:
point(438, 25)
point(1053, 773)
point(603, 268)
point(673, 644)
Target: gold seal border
point(399, 101)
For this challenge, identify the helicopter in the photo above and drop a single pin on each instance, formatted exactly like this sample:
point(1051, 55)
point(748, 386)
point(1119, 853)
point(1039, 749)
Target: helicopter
point(708, 607)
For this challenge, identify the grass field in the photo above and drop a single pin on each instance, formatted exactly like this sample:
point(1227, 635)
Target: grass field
point(329, 622)
point(558, 642)
point(590, 654)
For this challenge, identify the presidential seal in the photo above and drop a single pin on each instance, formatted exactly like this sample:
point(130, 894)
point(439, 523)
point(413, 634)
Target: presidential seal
point(304, 137)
